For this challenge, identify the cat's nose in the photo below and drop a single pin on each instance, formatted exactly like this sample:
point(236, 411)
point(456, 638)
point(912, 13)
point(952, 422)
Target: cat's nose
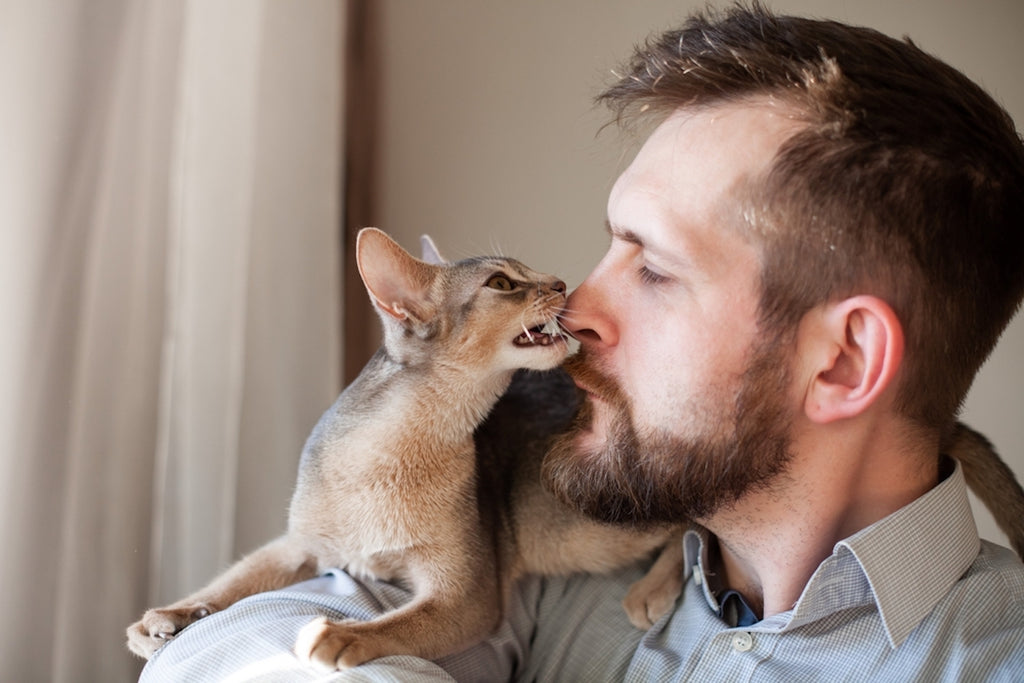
point(559, 287)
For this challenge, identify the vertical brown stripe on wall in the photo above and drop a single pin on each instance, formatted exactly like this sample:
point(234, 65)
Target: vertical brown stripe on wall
point(362, 71)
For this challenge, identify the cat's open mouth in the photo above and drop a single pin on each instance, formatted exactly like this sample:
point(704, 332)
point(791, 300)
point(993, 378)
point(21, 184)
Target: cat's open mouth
point(540, 335)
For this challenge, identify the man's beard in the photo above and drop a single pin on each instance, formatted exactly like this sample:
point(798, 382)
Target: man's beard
point(656, 477)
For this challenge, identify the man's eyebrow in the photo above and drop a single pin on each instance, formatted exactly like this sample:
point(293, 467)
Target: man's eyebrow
point(629, 236)
point(624, 234)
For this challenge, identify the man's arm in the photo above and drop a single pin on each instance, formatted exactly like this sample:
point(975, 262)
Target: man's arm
point(556, 629)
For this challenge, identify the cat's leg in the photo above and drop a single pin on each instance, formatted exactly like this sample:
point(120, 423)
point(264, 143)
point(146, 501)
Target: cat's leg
point(452, 608)
point(279, 563)
point(553, 540)
point(653, 596)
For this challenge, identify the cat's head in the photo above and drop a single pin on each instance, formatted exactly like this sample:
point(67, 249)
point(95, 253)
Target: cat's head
point(486, 314)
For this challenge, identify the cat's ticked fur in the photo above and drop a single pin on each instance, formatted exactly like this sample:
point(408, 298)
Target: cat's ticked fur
point(388, 483)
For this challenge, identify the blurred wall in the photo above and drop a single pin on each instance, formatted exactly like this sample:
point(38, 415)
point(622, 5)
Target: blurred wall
point(489, 139)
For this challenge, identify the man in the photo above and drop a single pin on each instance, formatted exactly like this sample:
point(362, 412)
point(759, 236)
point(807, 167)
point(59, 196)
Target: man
point(811, 256)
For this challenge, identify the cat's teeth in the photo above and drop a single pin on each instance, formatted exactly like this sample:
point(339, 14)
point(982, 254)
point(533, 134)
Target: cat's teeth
point(540, 335)
point(552, 328)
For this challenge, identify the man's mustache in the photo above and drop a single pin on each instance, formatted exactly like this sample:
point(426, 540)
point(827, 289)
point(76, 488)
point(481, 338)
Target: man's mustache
point(588, 376)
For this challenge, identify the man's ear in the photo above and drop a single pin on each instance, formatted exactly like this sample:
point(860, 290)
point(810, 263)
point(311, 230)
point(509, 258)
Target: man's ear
point(853, 349)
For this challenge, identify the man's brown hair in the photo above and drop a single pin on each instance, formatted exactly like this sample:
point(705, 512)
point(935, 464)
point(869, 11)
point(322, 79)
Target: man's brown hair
point(907, 182)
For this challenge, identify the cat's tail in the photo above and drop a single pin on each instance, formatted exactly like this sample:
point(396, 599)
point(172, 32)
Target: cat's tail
point(992, 481)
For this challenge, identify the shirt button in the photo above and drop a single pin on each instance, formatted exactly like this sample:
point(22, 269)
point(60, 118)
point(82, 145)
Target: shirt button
point(742, 641)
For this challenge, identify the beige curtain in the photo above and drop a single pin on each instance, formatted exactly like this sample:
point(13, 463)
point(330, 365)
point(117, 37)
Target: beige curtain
point(169, 302)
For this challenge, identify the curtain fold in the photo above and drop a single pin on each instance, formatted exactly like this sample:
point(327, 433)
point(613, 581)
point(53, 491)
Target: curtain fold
point(170, 291)
point(211, 190)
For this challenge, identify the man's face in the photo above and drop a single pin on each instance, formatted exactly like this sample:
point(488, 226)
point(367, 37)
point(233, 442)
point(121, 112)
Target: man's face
point(685, 407)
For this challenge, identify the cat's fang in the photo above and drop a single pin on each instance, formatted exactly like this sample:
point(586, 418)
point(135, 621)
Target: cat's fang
point(552, 328)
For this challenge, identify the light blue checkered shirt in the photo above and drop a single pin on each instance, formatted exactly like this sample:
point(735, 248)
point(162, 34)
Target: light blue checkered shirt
point(914, 597)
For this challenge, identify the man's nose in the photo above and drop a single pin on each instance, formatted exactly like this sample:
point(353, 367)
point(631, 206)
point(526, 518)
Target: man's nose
point(590, 312)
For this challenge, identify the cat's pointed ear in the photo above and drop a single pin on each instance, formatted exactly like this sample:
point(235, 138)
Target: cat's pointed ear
point(429, 252)
point(397, 283)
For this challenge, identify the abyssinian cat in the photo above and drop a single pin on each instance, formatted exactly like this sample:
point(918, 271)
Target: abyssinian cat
point(388, 483)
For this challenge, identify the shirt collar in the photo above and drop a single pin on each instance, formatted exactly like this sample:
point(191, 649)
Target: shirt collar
point(914, 556)
point(904, 562)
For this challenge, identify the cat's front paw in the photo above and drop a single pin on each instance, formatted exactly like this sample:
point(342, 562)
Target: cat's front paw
point(653, 596)
point(158, 626)
point(334, 645)
point(646, 602)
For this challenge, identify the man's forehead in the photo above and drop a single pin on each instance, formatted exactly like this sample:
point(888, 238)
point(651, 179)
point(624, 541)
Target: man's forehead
point(696, 158)
point(743, 135)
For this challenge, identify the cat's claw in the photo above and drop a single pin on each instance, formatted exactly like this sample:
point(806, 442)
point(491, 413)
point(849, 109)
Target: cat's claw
point(158, 626)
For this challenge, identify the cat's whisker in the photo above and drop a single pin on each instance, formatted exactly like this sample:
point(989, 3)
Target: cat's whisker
point(561, 319)
point(566, 311)
point(568, 333)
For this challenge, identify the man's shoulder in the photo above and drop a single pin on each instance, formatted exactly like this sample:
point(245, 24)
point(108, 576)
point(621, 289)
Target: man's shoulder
point(988, 598)
point(979, 626)
point(996, 576)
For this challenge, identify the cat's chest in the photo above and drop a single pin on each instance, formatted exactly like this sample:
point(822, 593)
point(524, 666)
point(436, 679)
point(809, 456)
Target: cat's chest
point(375, 493)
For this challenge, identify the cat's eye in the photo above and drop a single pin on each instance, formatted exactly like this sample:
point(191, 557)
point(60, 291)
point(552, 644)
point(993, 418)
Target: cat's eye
point(502, 283)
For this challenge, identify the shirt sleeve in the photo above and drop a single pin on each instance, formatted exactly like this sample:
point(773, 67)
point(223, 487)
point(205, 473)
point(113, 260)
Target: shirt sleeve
point(253, 639)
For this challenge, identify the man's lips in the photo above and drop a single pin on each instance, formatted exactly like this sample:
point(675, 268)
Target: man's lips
point(588, 392)
point(590, 381)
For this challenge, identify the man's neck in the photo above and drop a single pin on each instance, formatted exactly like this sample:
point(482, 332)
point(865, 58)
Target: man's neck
point(772, 540)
